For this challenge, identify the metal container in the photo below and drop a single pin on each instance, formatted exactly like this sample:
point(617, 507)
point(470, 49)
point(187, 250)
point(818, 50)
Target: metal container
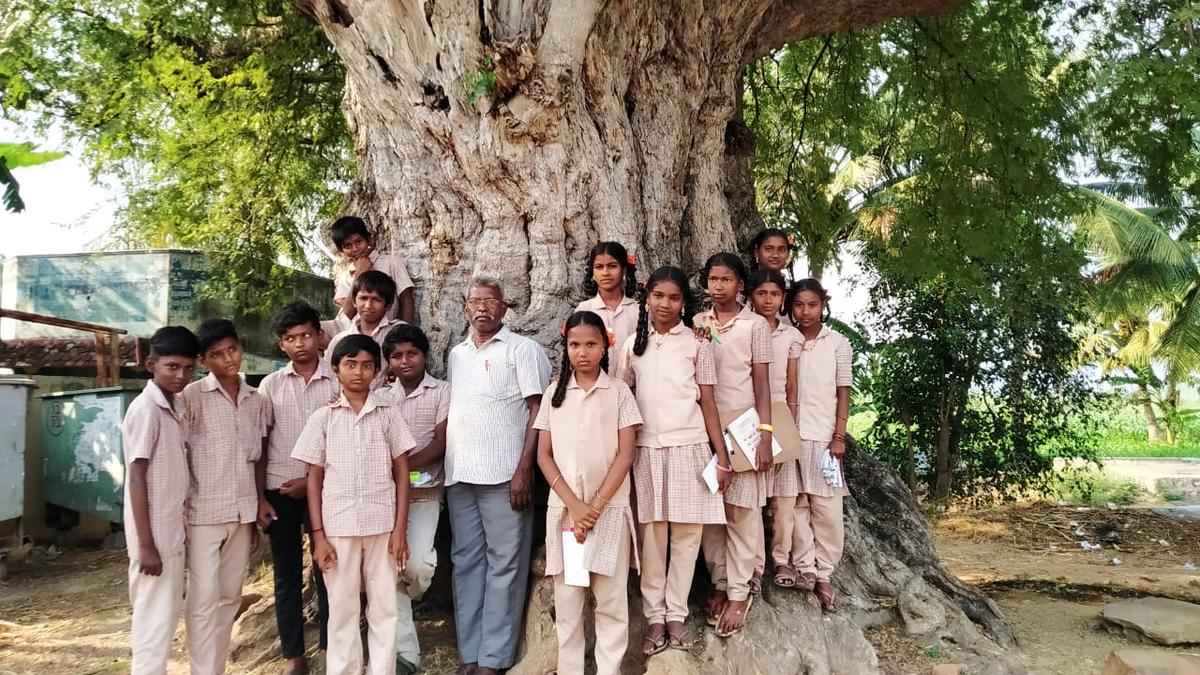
point(83, 462)
point(14, 406)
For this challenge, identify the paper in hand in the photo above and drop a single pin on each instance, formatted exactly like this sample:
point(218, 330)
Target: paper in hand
point(575, 572)
point(831, 469)
point(709, 474)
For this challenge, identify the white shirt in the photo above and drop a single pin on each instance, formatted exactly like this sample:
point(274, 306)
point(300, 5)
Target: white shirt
point(488, 386)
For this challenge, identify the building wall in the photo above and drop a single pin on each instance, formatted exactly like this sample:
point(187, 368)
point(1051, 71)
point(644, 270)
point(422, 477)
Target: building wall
point(139, 291)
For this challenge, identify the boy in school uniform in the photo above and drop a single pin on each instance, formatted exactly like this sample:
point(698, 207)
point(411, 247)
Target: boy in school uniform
point(292, 394)
point(358, 489)
point(226, 426)
point(373, 293)
point(357, 246)
point(424, 401)
point(153, 435)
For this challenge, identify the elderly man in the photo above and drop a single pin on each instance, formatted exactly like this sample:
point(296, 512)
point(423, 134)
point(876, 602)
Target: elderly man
point(496, 382)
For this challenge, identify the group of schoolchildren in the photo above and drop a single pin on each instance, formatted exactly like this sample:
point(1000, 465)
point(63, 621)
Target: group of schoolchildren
point(346, 443)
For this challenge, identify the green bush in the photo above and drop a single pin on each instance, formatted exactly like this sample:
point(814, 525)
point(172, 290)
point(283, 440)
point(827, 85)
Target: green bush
point(1091, 487)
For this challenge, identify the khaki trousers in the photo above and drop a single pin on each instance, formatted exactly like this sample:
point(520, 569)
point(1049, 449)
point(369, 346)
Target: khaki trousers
point(417, 575)
point(363, 563)
point(217, 556)
point(819, 534)
point(612, 619)
point(665, 591)
point(730, 550)
point(156, 604)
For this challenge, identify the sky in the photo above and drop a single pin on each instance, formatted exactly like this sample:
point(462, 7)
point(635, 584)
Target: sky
point(65, 210)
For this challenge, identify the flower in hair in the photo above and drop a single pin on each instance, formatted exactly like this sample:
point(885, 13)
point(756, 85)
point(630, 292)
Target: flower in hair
point(791, 240)
point(630, 259)
point(562, 330)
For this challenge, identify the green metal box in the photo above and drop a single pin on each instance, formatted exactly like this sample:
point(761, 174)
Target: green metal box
point(84, 465)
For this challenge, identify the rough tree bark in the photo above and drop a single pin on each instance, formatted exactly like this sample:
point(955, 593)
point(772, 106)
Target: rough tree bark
point(616, 120)
point(610, 120)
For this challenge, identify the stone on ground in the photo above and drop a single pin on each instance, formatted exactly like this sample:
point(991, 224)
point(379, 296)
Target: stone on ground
point(1160, 620)
point(1150, 662)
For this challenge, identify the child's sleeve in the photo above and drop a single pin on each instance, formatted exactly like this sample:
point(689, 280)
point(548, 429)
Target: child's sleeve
point(628, 414)
point(399, 436)
point(310, 447)
point(795, 349)
point(398, 271)
point(342, 284)
point(533, 368)
point(761, 350)
point(844, 356)
point(139, 435)
point(443, 409)
point(625, 370)
point(542, 421)
point(706, 365)
point(268, 413)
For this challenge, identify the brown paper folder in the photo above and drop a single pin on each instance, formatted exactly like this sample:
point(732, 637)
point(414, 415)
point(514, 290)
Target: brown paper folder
point(786, 434)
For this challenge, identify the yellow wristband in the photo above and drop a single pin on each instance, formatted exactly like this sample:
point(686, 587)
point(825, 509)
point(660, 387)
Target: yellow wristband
point(766, 427)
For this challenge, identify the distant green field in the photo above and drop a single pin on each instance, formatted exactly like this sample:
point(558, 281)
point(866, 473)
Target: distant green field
point(1125, 447)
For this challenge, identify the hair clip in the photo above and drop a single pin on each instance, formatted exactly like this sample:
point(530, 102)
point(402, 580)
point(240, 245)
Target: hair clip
point(791, 240)
point(562, 330)
point(630, 259)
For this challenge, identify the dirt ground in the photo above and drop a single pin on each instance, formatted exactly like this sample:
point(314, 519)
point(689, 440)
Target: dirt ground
point(70, 614)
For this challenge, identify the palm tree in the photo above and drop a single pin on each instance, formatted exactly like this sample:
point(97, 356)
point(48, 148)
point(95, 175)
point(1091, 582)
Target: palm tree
point(1146, 297)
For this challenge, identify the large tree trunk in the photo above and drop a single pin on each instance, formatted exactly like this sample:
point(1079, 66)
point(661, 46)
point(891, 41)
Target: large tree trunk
point(1154, 432)
point(609, 120)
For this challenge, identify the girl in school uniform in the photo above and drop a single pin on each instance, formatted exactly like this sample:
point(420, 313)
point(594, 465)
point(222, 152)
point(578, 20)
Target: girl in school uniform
point(767, 291)
point(823, 406)
point(771, 249)
point(611, 285)
point(585, 450)
point(673, 376)
point(742, 350)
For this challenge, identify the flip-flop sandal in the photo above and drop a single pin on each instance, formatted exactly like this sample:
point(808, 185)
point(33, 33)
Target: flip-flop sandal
point(745, 613)
point(807, 581)
point(827, 596)
point(755, 583)
point(709, 617)
point(651, 646)
point(785, 576)
point(683, 640)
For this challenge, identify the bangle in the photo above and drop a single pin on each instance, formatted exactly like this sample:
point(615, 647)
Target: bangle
point(316, 530)
point(726, 469)
point(555, 482)
point(792, 403)
point(601, 497)
point(766, 427)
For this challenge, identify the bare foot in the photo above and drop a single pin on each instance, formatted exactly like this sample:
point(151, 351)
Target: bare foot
point(467, 669)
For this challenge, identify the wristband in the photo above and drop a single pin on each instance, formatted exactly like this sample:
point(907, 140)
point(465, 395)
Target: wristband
point(766, 427)
point(724, 468)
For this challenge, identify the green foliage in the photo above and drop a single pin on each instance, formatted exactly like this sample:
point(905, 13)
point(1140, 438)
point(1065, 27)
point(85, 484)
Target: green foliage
point(1091, 487)
point(1145, 115)
point(482, 83)
point(219, 119)
point(15, 156)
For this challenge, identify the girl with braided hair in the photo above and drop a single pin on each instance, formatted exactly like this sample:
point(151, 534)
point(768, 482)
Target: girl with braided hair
point(672, 374)
point(610, 282)
point(772, 249)
point(585, 450)
point(743, 357)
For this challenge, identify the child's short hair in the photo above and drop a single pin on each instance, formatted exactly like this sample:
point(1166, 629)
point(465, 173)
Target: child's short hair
point(351, 345)
point(213, 331)
point(405, 332)
point(374, 281)
point(174, 341)
point(294, 314)
point(345, 226)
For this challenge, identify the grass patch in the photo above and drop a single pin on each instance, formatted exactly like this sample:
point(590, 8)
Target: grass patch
point(1088, 487)
point(1123, 447)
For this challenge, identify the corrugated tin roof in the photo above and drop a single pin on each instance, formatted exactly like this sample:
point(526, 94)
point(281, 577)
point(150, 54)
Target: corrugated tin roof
point(30, 355)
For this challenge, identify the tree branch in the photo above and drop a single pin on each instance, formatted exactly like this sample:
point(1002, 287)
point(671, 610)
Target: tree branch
point(787, 21)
